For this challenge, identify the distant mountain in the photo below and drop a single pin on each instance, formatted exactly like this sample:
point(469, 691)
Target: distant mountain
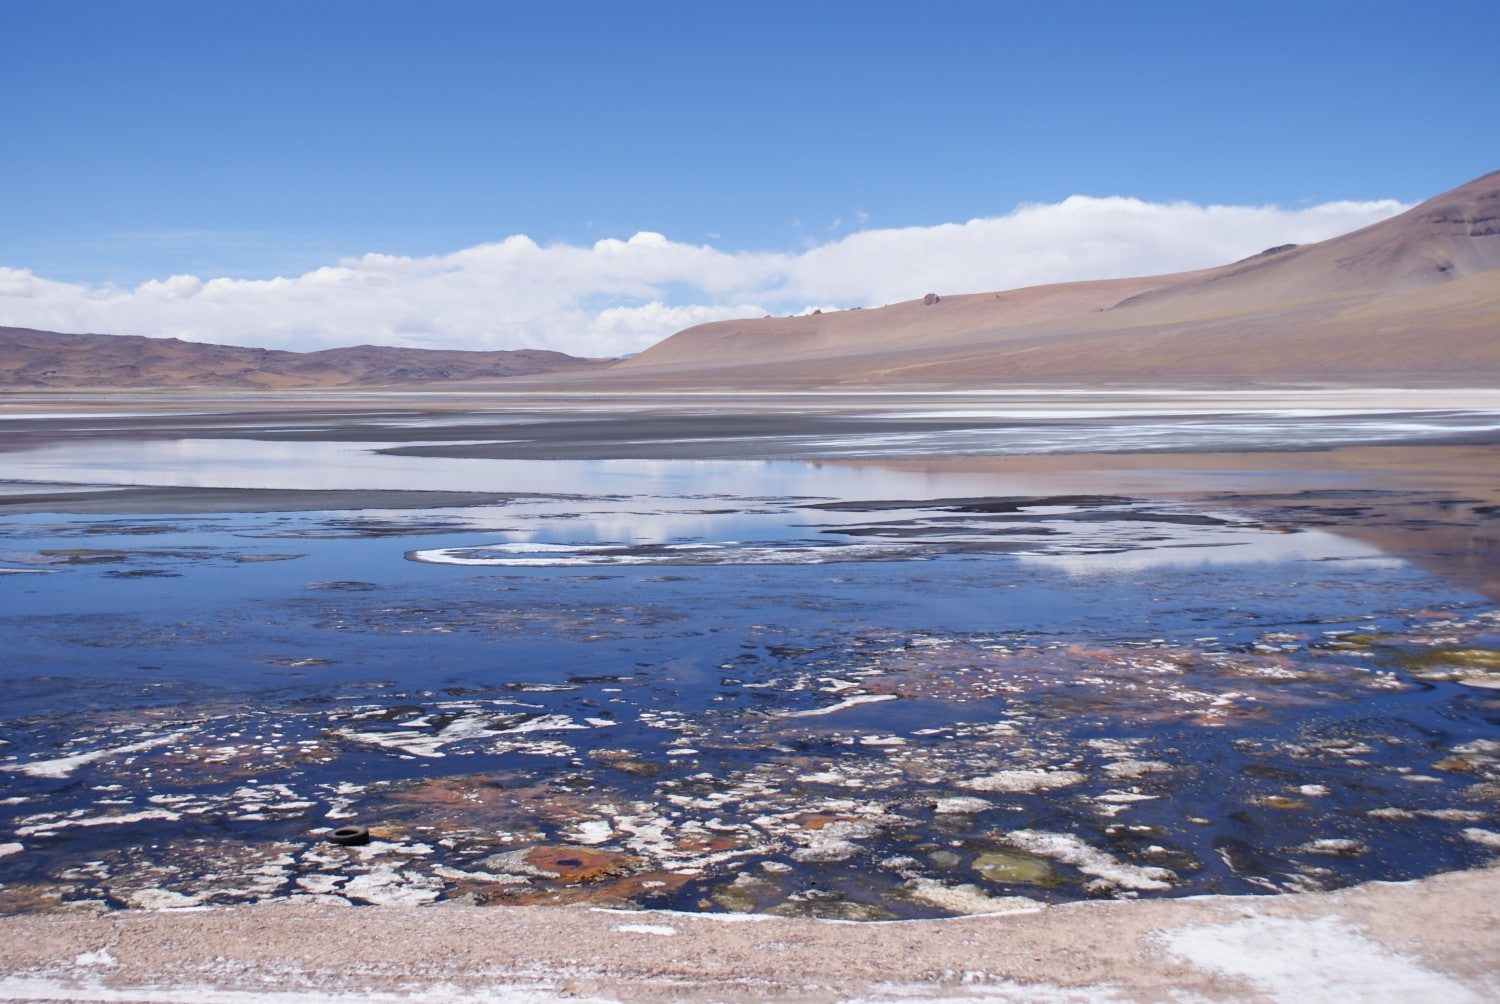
point(37, 359)
point(1415, 298)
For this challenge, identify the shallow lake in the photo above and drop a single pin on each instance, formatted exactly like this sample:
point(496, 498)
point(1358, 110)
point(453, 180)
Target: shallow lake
point(791, 685)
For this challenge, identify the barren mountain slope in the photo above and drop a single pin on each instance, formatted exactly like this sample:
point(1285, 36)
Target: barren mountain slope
point(30, 358)
point(1415, 298)
point(899, 325)
point(1452, 236)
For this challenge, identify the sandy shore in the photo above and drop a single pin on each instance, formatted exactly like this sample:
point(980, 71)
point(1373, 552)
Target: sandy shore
point(1433, 940)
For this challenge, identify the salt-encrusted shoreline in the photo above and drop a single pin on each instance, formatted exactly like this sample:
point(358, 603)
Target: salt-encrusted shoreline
point(1433, 939)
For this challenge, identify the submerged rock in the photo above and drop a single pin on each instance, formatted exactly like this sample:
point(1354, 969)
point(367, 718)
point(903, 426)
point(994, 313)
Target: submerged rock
point(944, 859)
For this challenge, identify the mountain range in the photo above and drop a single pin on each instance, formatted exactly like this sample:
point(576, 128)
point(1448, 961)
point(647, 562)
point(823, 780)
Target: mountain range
point(1414, 299)
point(37, 359)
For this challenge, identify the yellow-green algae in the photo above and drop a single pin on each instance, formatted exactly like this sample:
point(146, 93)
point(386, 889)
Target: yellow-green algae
point(1010, 868)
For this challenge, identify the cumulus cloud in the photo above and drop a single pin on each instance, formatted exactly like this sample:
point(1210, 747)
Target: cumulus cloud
point(619, 296)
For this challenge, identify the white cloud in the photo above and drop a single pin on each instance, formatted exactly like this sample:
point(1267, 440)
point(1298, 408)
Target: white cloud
point(619, 296)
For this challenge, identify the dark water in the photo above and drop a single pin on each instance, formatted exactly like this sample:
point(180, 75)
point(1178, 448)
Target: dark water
point(822, 691)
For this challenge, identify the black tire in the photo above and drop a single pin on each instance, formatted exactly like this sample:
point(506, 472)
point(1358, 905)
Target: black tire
point(349, 836)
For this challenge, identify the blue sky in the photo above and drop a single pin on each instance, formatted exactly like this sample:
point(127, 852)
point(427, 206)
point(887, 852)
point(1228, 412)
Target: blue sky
point(147, 139)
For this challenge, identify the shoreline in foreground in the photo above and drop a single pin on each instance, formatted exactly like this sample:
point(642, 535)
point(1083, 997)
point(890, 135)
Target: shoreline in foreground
point(1436, 938)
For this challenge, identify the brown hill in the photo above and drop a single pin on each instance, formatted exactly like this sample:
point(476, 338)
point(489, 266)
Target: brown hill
point(30, 358)
point(1415, 298)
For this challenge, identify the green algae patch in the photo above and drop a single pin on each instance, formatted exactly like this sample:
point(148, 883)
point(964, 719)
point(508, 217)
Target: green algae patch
point(1359, 640)
point(1479, 667)
point(1366, 639)
point(828, 905)
point(1473, 658)
point(1008, 868)
point(1281, 802)
point(748, 893)
point(1457, 765)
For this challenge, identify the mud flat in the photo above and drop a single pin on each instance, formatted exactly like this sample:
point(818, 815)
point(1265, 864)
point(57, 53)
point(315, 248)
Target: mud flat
point(1434, 939)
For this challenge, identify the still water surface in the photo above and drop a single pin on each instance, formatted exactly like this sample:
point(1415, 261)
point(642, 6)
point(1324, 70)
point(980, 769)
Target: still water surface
point(738, 685)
